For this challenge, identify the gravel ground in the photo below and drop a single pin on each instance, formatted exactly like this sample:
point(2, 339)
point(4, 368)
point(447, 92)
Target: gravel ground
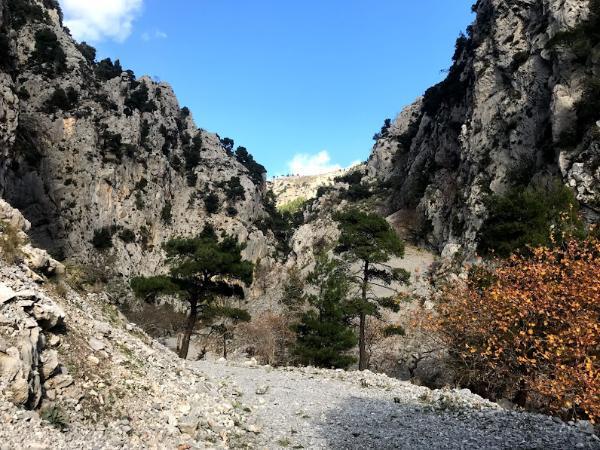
point(313, 408)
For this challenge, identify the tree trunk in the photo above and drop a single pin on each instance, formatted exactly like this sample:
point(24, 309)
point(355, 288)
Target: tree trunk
point(362, 351)
point(189, 328)
point(224, 346)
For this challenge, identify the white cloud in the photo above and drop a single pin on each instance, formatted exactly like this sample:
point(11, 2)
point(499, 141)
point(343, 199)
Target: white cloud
point(306, 164)
point(95, 20)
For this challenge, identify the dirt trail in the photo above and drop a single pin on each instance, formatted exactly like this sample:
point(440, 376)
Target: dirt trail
point(313, 408)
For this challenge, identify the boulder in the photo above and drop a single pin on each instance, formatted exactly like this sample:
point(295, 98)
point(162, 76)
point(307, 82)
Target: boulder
point(9, 367)
point(6, 294)
point(13, 217)
point(96, 344)
point(47, 313)
point(50, 365)
point(40, 261)
point(59, 382)
point(19, 392)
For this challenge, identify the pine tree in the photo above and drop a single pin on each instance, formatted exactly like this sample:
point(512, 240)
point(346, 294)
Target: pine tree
point(369, 240)
point(324, 333)
point(202, 269)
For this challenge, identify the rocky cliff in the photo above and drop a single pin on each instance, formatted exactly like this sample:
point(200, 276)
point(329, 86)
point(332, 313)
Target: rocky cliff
point(106, 166)
point(517, 105)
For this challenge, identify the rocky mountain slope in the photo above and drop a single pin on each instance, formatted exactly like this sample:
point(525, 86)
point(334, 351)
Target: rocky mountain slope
point(87, 376)
point(95, 378)
point(512, 109)
point(90, 153)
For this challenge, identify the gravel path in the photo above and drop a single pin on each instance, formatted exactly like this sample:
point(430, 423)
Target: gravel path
point(313, 408)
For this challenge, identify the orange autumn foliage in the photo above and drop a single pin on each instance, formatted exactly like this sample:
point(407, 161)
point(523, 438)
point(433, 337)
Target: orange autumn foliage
point(529, 330)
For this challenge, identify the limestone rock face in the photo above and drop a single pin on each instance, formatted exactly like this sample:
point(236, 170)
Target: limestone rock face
point(496, 121)
point(23, 366)
point(84, 151)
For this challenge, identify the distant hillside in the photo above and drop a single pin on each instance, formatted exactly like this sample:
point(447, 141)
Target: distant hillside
point(288, 189)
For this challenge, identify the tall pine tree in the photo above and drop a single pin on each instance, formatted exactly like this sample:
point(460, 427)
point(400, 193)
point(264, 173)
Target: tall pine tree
point(369, 241)
point(324, 333)
point(202, 269)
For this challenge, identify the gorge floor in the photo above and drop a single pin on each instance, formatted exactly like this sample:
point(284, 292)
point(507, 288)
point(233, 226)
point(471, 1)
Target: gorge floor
point(314, 408)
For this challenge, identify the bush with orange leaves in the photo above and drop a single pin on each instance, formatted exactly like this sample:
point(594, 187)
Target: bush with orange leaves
point(529, 330)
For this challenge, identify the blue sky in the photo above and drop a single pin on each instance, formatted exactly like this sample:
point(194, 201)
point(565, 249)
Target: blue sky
point(287, 79)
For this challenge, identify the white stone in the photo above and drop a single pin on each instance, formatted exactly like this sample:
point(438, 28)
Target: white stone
point(6, 293)
point(96, 344)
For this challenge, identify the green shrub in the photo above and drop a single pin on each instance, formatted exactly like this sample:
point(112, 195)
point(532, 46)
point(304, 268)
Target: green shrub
point(129, 150)
point(234, 190)
point(102, 239)
point(170, 138)
point(532, 216)
point(142, 184)
point(145, 237)
point(48, 53)
point(23, 93)
point(112, 142)
point(211, 203)
point(87, 51)
point(354, 177)
point(127, 236)
point(144, 134)
point(384, 130)
point(138, 99)
point(191, 179)
point(63, 100)
point(257, 171)
point(357, 192)
point(106, 70)
point(166, 214)
point(105, 101)
point(293, 206)
point(185, 138)
point(191, 155)
point(228, 145)
point(140, 204)
point(282, 225)
point(323, 190)
point(453, 89)
point(56, 416)
point(26, 145)
point(231, 211)
point(22, 11)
